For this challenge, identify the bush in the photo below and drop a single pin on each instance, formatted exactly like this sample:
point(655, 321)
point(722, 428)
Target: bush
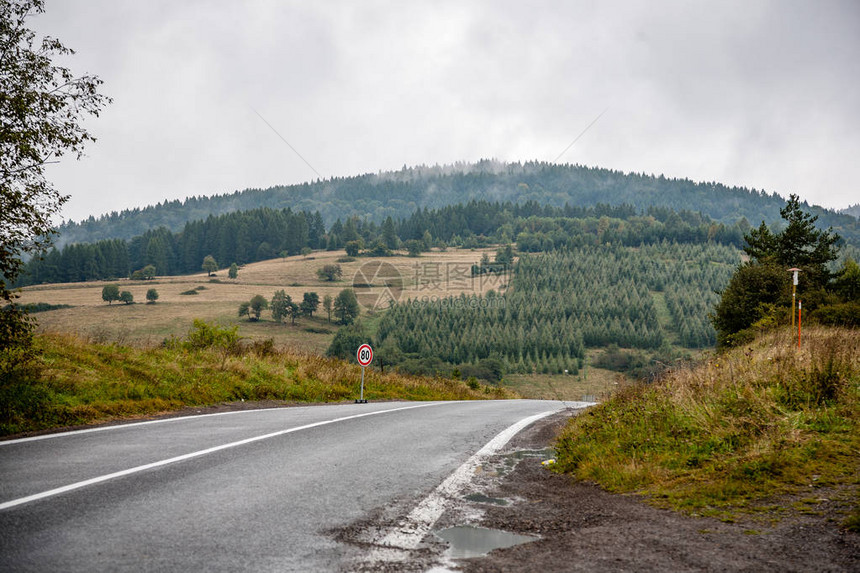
point(754, 290)
point(262, 348)
point(315, 330)
point(352, 248)
point(844, 314)
point(414, 247)
point(347, 340)
point(42, 307)
point(330, 272)
point(204, 335)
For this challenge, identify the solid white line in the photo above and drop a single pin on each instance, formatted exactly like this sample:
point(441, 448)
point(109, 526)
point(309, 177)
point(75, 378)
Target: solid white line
point(134, 424)
point(131, 425)
point(103, 478)
point(409, 532)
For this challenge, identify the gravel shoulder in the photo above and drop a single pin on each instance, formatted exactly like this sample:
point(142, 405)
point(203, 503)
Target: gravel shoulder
point(584, 528)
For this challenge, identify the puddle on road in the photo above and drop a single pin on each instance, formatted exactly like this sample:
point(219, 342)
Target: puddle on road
point(469, 541)
point(503, 464)
point(481, 498)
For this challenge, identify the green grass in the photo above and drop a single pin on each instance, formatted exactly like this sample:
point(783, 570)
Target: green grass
point(728, 434)
point(73, 381)
point(670, 330)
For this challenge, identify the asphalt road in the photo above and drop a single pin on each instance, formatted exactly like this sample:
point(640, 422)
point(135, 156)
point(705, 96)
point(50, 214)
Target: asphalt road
point(251, 490)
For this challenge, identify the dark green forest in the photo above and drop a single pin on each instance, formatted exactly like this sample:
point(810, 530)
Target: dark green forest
point(264, 233)
point(241, 237)
point(375, 197)
point(561, 302)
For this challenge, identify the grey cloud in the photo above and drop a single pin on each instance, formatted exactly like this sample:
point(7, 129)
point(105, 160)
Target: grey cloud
point(760, 94)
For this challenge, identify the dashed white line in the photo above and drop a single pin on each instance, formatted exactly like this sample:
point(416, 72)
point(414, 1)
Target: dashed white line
point(132, 425)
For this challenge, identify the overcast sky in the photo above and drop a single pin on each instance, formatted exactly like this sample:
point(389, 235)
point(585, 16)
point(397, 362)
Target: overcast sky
point(763, 94)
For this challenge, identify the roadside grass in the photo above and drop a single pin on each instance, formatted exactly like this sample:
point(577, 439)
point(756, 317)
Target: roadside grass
point(733, 432)
point(595, 385)
point(74, 381)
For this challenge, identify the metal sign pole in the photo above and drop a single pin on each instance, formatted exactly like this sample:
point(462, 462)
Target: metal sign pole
point(362, 385)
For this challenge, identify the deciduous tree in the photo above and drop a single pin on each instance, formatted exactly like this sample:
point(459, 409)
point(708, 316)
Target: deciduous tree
point(310, 303)
point(327, 305)
point(281, 303)
point(346, 306)
point(42, 108)
point(258, 304)
point(210, 265)
point(110, 293)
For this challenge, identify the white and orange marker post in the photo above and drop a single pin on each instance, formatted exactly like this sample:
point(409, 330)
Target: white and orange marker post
point(793, 293)
point(799, 309)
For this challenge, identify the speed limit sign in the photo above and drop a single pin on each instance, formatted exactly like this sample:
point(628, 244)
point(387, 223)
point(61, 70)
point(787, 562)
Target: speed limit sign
point(364, 355)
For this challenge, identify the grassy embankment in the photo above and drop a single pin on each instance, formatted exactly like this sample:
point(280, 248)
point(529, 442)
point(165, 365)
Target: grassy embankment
point(73, 381)
point(733, 433)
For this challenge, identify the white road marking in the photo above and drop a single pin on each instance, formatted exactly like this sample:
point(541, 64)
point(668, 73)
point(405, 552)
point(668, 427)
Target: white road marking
point(197, 454)
point(133, 424)
point(393, 544)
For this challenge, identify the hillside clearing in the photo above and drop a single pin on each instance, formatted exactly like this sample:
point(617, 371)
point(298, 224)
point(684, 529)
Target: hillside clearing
point(219, 299)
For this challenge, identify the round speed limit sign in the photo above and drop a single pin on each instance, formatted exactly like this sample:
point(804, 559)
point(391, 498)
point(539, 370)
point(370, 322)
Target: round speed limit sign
point(364, 355)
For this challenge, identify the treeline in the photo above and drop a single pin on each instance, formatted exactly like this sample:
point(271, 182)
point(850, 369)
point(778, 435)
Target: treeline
point(242, 237)
point(398, 194)
point(260, 234)
point(543, 228)
point(561, 302)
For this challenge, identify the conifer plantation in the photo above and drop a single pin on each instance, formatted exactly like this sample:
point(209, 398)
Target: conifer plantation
point(561, 302)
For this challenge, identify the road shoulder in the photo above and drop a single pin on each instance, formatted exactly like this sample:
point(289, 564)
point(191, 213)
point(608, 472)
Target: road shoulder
point(583, 528)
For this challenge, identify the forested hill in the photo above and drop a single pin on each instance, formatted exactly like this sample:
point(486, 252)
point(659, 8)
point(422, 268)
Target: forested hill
point(399, 194)
point(249, 236)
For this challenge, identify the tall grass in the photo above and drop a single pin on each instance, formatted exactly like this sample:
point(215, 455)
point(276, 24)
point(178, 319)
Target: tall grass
point(755, 422)
point(75, 381)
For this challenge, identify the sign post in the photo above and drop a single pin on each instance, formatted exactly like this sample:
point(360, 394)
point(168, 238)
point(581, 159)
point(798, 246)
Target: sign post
point(799, 310)
point(793, 292)
point(364, 355)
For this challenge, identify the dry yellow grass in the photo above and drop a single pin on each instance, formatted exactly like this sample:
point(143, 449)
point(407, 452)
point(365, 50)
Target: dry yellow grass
point(597, 386)
point(433, 274)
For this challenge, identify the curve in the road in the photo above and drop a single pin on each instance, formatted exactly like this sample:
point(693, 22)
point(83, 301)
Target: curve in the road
point(188, 456)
